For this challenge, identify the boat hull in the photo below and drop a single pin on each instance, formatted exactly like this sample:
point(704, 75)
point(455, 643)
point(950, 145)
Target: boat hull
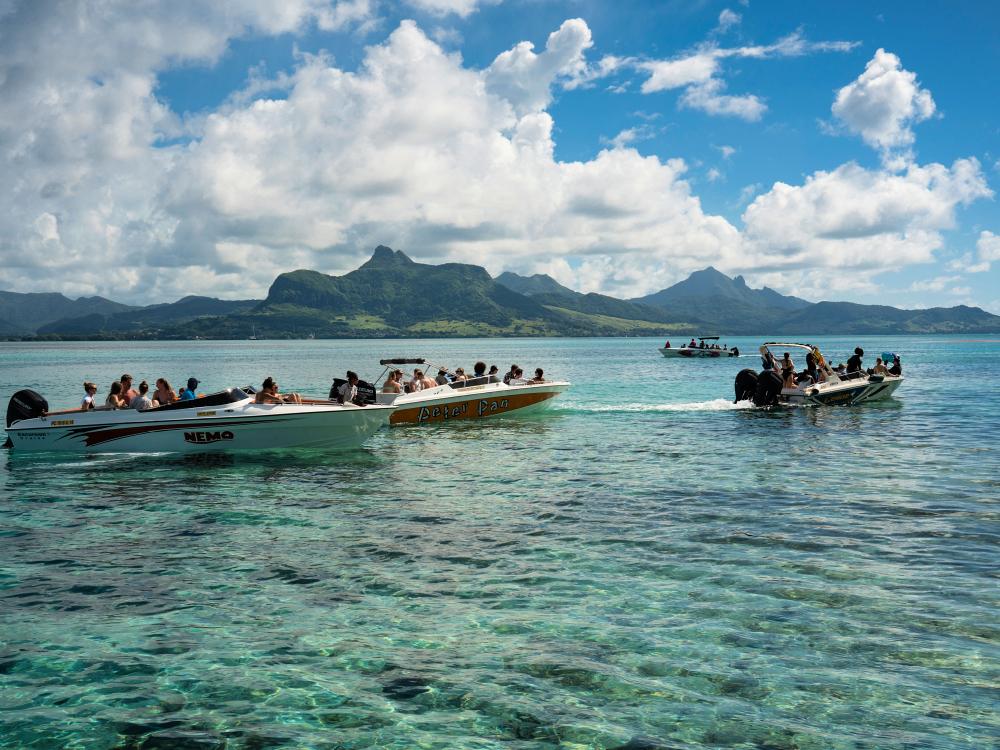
point(254, 428)
point(846, 393)
point(475, 402)
point(686, 353)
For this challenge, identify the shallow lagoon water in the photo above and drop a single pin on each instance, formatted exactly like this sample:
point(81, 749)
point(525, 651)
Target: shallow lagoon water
point(645, 566)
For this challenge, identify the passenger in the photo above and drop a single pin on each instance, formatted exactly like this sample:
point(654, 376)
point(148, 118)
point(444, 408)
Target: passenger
point(510, 374)
point(460, 376)
point(391, 384)
point(518, 378)
point(767, 361)
point(788, 379)
point(880, 368)
point(442, 377)
point(348, 392)
point(854, 362)
point(539, 376)
point(494, 374)
point(479, 370)
point(164, 393)
point(141, 402)
point(268, 394)
point(897, 366)
point(191, 391)
point(734, 352)
point(812, 370)
point(114, 399)
point(89, 391)
point(420, 381)
point(666, 345)
point(693, 344)
point(840, 369)
point(128, 392)
point(786, 362)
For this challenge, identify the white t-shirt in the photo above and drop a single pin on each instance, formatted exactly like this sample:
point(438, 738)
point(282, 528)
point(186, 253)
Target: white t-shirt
point(141, 403)
point(88, 402)
point(348, 392)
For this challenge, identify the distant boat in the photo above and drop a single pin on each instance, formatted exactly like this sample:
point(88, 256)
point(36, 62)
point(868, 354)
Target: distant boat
point(253, 336)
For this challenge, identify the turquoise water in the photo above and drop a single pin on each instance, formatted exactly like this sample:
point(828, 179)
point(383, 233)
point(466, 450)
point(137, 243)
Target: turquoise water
point(644, 566)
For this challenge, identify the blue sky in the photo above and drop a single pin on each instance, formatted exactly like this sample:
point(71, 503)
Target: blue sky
point(833, 151)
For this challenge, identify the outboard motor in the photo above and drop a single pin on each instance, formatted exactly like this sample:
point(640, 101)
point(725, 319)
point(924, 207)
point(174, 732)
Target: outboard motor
point(768, 389)
point(25, 404)
point(746, 385)
point(366, 391)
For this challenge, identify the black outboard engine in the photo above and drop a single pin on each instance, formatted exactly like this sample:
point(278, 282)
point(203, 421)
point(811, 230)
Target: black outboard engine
point(26, 404)
point(746, 385)
point(769, 386)
point(366, 391)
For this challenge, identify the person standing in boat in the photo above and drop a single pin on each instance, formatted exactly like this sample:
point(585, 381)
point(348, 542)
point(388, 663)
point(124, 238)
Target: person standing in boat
point(854, 363)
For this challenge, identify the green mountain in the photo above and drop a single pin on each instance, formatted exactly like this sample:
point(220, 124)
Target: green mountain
point(26, 313)
point(152, 319)
point(390, 295)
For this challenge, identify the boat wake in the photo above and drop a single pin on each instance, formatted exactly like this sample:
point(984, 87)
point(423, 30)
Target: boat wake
point(718, 404)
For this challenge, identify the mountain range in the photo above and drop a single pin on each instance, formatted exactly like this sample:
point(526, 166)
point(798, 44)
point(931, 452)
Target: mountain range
point(390, 295)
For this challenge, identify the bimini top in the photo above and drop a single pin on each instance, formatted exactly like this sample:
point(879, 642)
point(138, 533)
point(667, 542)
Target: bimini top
point(403, 361)
point(769, 344)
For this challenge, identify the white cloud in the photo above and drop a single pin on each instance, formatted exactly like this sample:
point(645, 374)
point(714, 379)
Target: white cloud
point(937, 284)
point(883, 104)
point(699, 73)
point(713, 175)
point(708, 97)
point(525, 78)
point(727, 19)
point(726, 151)
point(631, 135)
point(866, 220)
point(461, 8)
point(988, 247)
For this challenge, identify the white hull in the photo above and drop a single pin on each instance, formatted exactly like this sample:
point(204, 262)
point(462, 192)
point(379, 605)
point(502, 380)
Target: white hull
point(445, 403)
point(843, 393)
point(234, 427)
point(688, 353)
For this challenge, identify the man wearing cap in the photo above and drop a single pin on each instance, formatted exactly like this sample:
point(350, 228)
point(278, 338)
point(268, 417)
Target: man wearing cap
point(442, 377)
point(189, 393)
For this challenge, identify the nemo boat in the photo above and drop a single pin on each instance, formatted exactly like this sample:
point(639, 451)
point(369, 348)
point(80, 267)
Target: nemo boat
point(476, 398)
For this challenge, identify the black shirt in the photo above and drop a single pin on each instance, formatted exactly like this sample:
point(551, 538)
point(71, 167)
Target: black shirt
point(854, 363)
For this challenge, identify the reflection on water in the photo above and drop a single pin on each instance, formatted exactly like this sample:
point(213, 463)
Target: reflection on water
point(695, 577)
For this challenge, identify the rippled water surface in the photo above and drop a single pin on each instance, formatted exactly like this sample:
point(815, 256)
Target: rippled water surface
point(644, 567)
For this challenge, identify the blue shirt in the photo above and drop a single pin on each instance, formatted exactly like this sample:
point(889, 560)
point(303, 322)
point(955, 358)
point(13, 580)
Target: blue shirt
point(187, 394)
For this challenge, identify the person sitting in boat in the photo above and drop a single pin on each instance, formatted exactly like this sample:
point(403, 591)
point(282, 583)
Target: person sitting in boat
point(880, 368)
point(391, 384)
point(268, 394)
point(897, 366)
point(510, 374)
point(128, 392)
point(854, 362)
point(164, 393)
point(518, 378)
point(190, 392)
point(420, 381)
point(442, 377)
point(460, 376)
point(348, 392)
point(666, 345)
point(494, 374)
point(693, 344)
point(89, 391)
point(142, 401)
point(479, 370)
point(114, 399)
point(539, 376)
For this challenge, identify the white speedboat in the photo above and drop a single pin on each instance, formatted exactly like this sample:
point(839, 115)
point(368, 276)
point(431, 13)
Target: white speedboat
point(224, 421)
point(476, 398)
point(832, 389)
point(706, 348)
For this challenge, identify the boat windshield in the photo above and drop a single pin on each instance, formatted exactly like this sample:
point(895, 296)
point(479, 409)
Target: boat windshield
point(222, 398)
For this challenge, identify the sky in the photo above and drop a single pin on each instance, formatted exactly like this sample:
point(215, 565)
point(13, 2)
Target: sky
point(841, 151)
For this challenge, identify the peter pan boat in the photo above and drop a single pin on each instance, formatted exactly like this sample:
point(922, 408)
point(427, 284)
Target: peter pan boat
point(767, 388)
point(703, 350)
point(224, 421)
point(475, 398)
